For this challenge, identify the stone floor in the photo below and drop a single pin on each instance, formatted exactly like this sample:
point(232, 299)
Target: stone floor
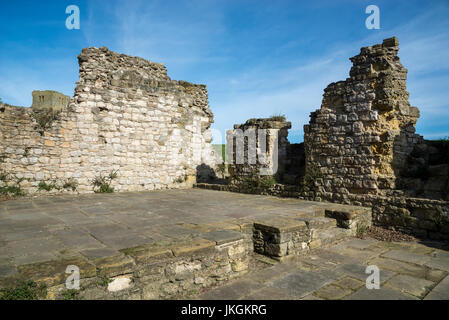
point(408, 271)
point(49, 228)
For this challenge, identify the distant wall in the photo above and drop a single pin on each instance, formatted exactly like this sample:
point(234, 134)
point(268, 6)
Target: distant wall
point(126, 115)
point(49, 100)
point(249, 157)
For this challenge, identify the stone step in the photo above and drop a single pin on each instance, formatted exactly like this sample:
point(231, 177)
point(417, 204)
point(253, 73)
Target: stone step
point(326, 237)
point(319, 223)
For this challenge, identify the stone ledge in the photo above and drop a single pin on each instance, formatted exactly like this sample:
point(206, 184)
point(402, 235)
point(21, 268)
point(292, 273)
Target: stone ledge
point(278, 238)
point(148, 253)
point(53, 272)
point(223, 236)
point(192, 248)
point(280, 225)
point(350, 217)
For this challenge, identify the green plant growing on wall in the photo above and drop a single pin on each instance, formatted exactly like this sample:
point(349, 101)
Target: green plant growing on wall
point(12, 190)
point(278, 117)
point(254, 182)
point(222, 168)
point(26, 151)
point(361, 230)
point(180, 179)
point(44, 118)
point(4, 176)
point(48, 186)
point(70, 184)
point(102, 184)
point(312, 174)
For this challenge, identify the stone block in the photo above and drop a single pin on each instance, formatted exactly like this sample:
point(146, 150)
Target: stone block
point(148, 253)
point(280, 237)
point(193, 248)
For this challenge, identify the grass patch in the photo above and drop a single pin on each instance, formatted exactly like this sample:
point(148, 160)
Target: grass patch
point(48, 187)
point(278, 117)
point(104, 281)
point(312, 174)
point(254, 182)
point(72, 294)
point(12, 190)
point(26, 290)
point(361, 230)
point(70, 184)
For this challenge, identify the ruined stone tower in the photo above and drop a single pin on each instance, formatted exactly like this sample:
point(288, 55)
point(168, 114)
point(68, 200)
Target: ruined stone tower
point(360, 138)
point(49, 100)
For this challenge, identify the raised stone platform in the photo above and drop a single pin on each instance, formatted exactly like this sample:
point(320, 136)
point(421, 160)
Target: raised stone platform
point(159, 244)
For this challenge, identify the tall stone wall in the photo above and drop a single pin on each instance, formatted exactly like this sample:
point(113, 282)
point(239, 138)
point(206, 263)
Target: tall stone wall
point(359, 140)
point(361, 148)
point(126, 115)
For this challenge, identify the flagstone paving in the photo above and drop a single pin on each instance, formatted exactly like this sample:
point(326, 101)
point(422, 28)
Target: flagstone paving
point(338, 273)
point(40, 229)
point(100, 226)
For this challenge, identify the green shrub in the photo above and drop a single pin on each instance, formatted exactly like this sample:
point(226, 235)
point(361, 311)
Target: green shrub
point(45, 117)
point(254, 182)
point(47, 187)
point(103, 184)
point(180, 179)
point(70, 184)
point(221, 168)
point(12, 190)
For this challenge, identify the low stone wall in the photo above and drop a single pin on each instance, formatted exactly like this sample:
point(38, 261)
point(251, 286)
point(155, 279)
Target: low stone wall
point(146, 272)
point(424, 218)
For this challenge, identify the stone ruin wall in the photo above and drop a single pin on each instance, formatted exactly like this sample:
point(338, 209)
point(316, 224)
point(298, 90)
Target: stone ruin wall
point(361, 148)
point(258, 160)
point(359, 145)
point(126, 115)
point(360, 138)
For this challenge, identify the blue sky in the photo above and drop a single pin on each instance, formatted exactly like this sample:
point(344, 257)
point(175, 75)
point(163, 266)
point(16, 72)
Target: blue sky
point(257, 58)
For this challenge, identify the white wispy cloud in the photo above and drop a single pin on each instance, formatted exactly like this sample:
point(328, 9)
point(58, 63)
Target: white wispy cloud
point(424, 51)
